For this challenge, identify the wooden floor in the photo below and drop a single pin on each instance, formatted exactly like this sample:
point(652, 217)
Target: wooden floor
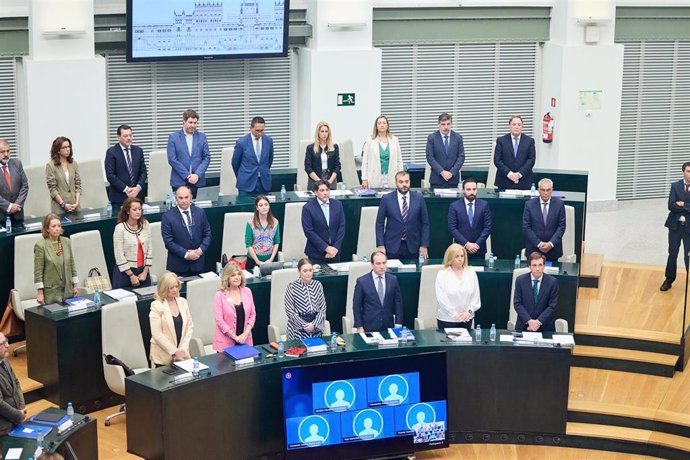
point(628, 296)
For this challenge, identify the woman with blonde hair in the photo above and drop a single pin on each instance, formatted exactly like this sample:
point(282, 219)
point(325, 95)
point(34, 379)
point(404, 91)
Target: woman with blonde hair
point(233, 309)
point(457, 290)
point(322, 158)
point(55, 275)
point(171, 323)
point(381, 156)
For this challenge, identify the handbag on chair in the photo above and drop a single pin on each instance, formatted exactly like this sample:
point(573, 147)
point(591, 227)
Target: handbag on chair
point(96, 280)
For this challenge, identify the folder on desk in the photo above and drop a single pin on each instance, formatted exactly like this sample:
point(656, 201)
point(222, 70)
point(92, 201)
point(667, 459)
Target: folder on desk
point(55, 307)
point(315, 344)
point(241, 351)
point(49, 418)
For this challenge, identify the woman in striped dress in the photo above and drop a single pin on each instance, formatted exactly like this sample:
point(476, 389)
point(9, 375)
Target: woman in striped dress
point(305, 304)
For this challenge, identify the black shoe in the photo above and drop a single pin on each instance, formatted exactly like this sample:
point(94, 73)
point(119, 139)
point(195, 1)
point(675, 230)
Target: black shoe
point(666, 285)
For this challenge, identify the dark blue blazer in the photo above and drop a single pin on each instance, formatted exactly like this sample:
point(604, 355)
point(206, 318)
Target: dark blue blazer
point(543, 309)
point(535, 232)
point(459, 224)
point(117, 174)
point(506, 161)
point(248, 170)
point(178, 241)
point(312, 161)
point(677, 193)
point(367, 308)
point(319, 234)
point(440, 160)
point(390, 226)
point(180, 160)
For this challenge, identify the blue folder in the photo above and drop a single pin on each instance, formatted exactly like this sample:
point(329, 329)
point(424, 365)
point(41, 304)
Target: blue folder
point(18, 431)
point(241, 351)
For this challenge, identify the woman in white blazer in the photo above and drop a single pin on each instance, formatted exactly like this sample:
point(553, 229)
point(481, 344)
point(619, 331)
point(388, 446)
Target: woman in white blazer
point(171, 323)
point(381, 157)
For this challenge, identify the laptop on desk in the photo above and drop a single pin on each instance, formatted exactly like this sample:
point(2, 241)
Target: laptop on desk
point(208, 193)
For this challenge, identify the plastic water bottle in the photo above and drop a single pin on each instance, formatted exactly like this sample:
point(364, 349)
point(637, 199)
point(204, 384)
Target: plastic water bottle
point(478, 333)
point(334, 341)
point(532, 190)
point(8, 224)
point(490, 260)
point(421, 260)
point(403, 336)
point(168, 201)
point(365, 259)
point(517, 261)
point(70, 411)
point(97, 298)
point(281, 348)
point(343, 186)
point(294, 262)
point(460, 193)
point(256, 271)
point(39, 439)
point(195, 367)
point(109, 209)
point(492, 333)
point(282, 192)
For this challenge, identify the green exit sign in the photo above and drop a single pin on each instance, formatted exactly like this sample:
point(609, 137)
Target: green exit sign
point(346, 99)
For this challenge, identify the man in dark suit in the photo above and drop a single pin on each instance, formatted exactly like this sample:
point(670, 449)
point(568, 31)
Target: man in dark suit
point(536, 297)
point(14, 186)
point(445, 153)
point(323, 223)
point(188, 154)
point(678, 225)
point(187, 235)
point(377, 302)
point(469, 220)
point(125, 168)
point(402, 223)
point(252, 159)
point(543, 223)
point(12, 406)
point(514, 158)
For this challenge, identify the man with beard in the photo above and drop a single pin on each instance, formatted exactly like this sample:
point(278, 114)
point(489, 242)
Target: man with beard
point(12, 406)
point(14, 186)
point(469, 220)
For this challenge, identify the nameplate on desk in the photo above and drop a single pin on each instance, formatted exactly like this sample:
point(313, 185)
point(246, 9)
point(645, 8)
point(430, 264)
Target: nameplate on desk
point(244, 362)
point(477, 268)
point(407, 268)
point(507, 194)
point(271, 198)
point(204, 203)
point(151, 209)
point(66, 425)
point(563, 339)
point(33, 226)
point(551, 270)
point(91, 216)
point(187, 376)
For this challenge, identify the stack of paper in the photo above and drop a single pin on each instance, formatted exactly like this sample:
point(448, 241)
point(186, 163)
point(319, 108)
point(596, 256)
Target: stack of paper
point(394, 263)
point(120, 294)
point(187, 365)
point(564, 339)
point(337, 193)
point(458, 334)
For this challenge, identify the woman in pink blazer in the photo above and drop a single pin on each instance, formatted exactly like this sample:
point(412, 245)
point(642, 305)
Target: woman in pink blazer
point(234, 310)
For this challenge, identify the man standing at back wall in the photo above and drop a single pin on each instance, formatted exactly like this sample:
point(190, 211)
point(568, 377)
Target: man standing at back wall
point(445, 154)
point(188, 154)
point(252, 159)
point(125, 168)
point(14, 186)
point(514, 158)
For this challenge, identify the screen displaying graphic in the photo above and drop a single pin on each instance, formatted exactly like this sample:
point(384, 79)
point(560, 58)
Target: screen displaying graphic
point(394, 405)
point(190, 29)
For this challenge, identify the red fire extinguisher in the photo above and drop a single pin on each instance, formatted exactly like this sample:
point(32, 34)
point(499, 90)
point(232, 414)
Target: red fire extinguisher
point(547, 129)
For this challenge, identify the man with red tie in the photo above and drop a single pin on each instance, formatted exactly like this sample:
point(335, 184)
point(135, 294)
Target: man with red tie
point(678, 225)
point(14, 186)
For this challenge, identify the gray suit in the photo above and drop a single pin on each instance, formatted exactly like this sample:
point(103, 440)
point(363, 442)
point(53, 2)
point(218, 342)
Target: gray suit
point(18, 193)
point(12, 402)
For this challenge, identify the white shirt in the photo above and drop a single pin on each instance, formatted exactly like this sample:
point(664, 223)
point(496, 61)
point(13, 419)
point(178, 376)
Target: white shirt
point(324, 160)
point(455, 295)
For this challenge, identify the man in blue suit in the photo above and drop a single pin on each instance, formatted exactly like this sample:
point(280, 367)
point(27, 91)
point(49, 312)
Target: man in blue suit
point(377, 302)
point(125, 168)
point(543, 223)
point(445, 153)
point(469, 220)
point(252, 159)
point(323, 223)
point(536, 297)
point(678, 225)
point(188, 154)
point(514, 158)
point(402, 223)
point(187, 235)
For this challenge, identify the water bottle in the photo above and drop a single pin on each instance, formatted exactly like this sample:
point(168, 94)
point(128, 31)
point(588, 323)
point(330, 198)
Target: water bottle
point(478, 333)
point(256, 271)
point(403, 336)
point(220, 271)
point(168, 201)
point(8, 224)
point(421, 260)
point(39, 440)
point(334, 341)
point(97, 298)
point(70, 411)
point(282, 192)
point(492, 333)
point(532, 190)
point(294, 262)
point(365, 259)
point(195, 367)
point(109, 209)
point(517, 261)
point(490, 260)
point(281, 348)
point(408, 334)
point(460, 193)
point(343, 186)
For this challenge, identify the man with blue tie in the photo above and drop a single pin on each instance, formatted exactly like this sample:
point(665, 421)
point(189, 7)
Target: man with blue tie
point(514, 158)
point(252, 159)
point(469, 220)
point(543, 223)
point(323, 223)
point(536, 297)
point(186, 234)
point(445, 153)
point(678, 225)
point(377, 302)
point(125, 168)
point(188, 154)
point(402, 222)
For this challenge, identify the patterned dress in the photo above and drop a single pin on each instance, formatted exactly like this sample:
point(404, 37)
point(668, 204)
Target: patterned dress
point(305, 303)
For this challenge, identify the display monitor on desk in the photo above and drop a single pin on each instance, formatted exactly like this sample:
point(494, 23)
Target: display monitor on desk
point(395, 405)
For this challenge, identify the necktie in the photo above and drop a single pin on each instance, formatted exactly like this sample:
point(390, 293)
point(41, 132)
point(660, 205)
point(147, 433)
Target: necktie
point(470, 212)
point(515, 146)
point(404, 216)
point(7, 176)
point(687, 186)
point(257, 150)
point(326, 213)
point(545, 212)
point(189, 228)
point(128, 157)
point(445, 142)
point(535, 289)
point(379, 289)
